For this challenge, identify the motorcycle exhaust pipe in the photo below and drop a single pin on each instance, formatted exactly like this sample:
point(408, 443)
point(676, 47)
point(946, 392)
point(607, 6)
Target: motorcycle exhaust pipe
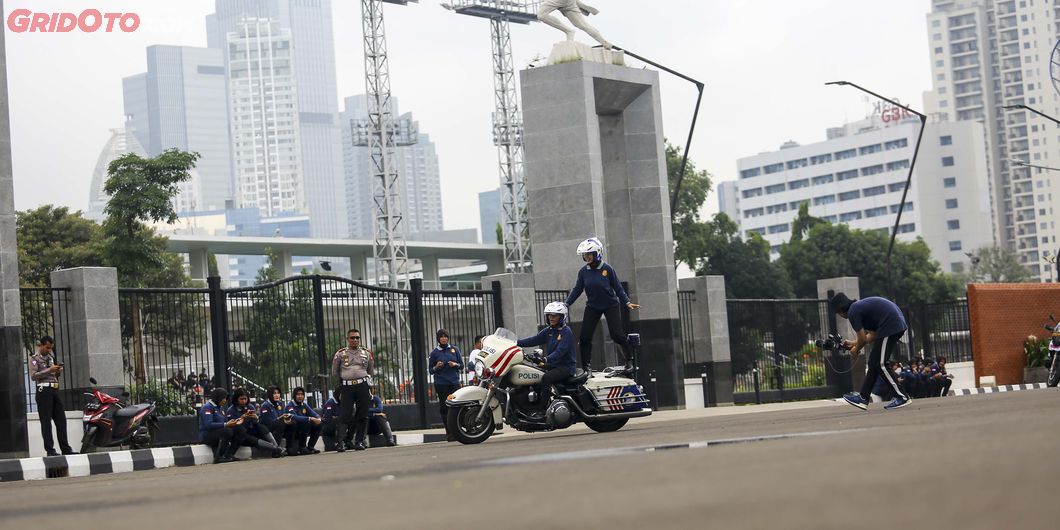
point(610, 415)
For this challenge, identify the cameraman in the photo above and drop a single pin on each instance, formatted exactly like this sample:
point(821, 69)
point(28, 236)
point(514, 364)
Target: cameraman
point(879, 322)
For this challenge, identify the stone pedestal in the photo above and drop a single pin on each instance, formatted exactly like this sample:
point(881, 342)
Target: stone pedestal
point(571, 51)
point(595, 166)
point(849, 286)
point(94, 329)
point(518, 306)
point(710, 332)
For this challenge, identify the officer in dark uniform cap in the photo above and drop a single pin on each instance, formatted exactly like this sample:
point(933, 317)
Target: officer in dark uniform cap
point(352, 368)
point(45, 373)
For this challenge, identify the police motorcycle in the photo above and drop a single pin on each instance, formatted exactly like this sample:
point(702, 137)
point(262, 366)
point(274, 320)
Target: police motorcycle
point(508, 393)
point(109, 423)
point(1053, 361)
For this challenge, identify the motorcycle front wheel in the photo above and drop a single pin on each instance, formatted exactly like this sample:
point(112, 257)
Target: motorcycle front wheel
point(1054, 372)
point(462, 422)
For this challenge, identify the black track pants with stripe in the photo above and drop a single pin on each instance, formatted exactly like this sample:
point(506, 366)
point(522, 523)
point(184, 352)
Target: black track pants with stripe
point(882, 349)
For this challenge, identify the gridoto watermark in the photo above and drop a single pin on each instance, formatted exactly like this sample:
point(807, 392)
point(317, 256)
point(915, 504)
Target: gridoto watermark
point(87, 21)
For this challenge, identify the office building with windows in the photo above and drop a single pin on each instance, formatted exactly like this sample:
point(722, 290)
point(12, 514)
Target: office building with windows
point(986, 55)
point(857, 177)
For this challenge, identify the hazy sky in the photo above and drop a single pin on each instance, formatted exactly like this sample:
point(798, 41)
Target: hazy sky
point(764, 63)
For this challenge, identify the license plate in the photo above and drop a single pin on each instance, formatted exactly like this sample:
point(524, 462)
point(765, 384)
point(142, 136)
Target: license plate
point(92, 406)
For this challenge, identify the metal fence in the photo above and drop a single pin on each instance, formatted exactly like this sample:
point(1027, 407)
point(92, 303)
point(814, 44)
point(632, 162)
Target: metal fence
point(166, 350)
point(940, 330)
point(686, 301)
point(545, 297)
point(773, 341)
point(464, 314)
point(45, 311)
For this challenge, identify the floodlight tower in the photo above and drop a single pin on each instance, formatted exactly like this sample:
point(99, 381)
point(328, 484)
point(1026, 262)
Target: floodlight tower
point(507, 120)
point(381, 133)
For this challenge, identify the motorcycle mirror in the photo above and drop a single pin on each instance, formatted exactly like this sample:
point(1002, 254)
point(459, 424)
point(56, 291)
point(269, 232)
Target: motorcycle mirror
point(92, 380)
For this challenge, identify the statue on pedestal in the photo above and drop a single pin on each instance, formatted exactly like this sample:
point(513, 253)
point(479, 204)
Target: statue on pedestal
point(575, 11)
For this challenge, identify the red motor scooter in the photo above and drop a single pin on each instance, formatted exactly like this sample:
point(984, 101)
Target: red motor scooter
point(108, 423)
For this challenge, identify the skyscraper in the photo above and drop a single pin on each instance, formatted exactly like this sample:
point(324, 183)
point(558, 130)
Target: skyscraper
point(417, 165)
point(312, 65)
point(489, 215)
point(264, 110)
point(988, 54)
point(181, 102)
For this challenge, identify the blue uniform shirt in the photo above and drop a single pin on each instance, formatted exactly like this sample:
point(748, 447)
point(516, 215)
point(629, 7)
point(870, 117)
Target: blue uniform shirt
point(878, 315)
point(234, 413)
point(270, 413)
point(377, 405)
point(300, 412)
point(601, 286)
point(211, 418)
point(449, 375)
point(560, 347)
point(330, 410)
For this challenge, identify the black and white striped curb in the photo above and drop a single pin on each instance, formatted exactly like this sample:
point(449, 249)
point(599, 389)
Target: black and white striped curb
point(995, 390)
point(137, 460)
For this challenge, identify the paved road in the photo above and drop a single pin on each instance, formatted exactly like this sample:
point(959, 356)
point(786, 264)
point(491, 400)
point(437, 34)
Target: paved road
point(985, 462)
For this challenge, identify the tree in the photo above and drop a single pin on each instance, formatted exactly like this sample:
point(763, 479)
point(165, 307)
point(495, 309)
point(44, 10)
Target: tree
point(142, 190)
point(830, 251)
point(685, 221)
point(804, 222)
point(500, 234)
point(997, 265)
point(52, 238)
point(745, 264)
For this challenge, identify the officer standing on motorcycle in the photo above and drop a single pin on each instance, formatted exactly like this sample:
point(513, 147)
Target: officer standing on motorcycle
point(603, 293)
point(352, 367)
point(216, 430)
point(257, 435)
point(559, 360)
point(445, 363)
point(45, 374)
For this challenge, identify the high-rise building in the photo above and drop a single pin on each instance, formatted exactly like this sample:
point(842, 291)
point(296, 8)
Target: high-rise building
point(181, 102)
point(417, 167)
point(312, 67)
point(857, 177)
point(986, 55)
point(489, 215)
point(264, 127)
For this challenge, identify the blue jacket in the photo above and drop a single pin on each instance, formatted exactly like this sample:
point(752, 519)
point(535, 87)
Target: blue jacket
point(211, 418)
point(234, 413)
point(377, 405)
point(330, 411)
point(449, 375)
point(300, 413)
point(601, 286)
point(560, 349)
point(878, 315)
point(269, 413)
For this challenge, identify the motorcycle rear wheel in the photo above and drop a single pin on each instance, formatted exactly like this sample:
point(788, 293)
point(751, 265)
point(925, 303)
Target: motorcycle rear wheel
point(461, 423)
point(607, 425)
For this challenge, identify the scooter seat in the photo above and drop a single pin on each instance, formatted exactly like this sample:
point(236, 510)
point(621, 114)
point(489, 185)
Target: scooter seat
point(132, 410)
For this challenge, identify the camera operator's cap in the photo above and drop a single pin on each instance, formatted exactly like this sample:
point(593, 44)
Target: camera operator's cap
point(839, 302)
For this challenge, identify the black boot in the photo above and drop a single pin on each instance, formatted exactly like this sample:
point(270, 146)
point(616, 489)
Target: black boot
point(391, 440)
point(340, 437)
point(220, 454)
point(312, 445)
point(361, 443)
point(271, 446)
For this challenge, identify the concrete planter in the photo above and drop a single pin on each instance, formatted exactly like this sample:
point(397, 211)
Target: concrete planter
point(1035, 375)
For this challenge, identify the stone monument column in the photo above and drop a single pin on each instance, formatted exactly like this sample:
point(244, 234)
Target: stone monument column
point(13, 439)
point(596, 166)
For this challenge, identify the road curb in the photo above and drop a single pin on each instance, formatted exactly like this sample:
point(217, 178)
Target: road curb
point(46, 467)
point(995, 390)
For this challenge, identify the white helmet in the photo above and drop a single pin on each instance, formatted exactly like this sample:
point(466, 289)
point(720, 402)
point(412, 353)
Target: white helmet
point(556, 308)
point(591, 245)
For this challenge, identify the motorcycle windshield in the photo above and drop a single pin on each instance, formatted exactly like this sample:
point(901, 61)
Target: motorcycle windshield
point(506, 334)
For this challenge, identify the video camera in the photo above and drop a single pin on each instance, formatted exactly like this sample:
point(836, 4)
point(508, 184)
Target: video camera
point(832, 343)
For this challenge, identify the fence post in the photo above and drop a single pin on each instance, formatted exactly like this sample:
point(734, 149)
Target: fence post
point(758, 388)
point(925, 332)
point(498, 309)
point(778, 372)
point(706, 394)
point(419, 354)
point(321, 343)
point(219, 329)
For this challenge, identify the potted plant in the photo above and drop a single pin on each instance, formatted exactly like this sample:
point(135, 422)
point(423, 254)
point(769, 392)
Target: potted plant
point(1036, 351)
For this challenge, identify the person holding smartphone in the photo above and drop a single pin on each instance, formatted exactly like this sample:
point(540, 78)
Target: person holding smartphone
point(352, 369)
point(257, 435)
point(307, 425)
point(272, 416)
point(445, 364)
point(45, 371)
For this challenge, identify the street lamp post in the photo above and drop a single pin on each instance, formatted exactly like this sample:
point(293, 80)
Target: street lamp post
point(908, 179)
point(1038, 112)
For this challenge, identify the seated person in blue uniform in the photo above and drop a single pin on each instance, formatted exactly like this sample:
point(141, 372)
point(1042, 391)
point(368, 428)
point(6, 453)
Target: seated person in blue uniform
point(257, 435)
point(307, 425)
point(216, 430)
point(271, 415)
point(377, 422)
point(329, 415)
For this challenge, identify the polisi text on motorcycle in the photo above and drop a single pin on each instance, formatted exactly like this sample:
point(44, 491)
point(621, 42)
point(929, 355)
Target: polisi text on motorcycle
point(87, 21)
